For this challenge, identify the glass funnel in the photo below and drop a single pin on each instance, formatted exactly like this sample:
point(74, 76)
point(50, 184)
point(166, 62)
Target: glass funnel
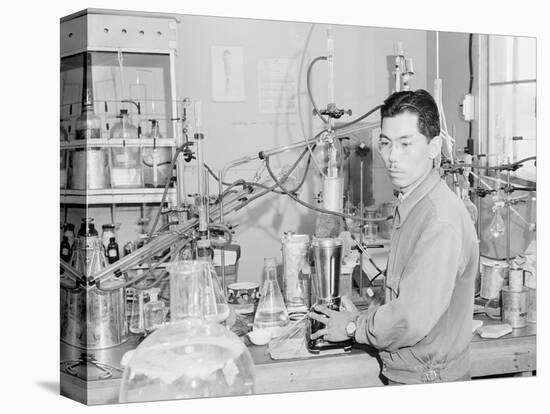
point(271, 312)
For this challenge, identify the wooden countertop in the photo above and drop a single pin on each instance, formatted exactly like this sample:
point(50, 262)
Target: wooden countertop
point(512, 353)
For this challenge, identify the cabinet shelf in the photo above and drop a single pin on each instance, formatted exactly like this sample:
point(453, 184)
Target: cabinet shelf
point(116, 196)
point(116, 142)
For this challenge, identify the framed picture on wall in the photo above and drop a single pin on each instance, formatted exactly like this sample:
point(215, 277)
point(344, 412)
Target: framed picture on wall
point(227, 74)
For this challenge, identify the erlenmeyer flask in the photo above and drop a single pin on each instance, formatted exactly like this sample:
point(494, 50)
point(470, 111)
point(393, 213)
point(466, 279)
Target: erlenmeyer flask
point(195, 292)
point(497, 224)
point(271, 312)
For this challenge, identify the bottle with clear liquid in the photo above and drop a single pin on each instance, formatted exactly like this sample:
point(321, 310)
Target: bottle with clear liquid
point(271, 312)
point(154, 311)
point(126, 160)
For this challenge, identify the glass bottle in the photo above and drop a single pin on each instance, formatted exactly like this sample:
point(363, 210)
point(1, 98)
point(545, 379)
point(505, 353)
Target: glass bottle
point(271, 312)
point(87, 227)
point(112, 251)
point(107, 232)
point(65, 250)
point(88, 124)
point(125, 160)
point(153, 311)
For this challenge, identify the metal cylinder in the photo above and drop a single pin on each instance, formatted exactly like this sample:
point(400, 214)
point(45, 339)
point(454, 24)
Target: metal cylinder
point(93, 319)
point(328, 258)
point(514, 307)
point(494, 276)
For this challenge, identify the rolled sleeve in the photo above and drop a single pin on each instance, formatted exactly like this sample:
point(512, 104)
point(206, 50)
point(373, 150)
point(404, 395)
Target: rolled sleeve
point(425, 290)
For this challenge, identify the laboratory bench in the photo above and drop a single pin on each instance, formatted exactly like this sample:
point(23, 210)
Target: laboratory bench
point(512, 354)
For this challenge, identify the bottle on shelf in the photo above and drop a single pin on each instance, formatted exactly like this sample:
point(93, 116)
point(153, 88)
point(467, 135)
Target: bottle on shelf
point(87, 228)
point(107, 231)
point(126, 160)
point(66, 250)
point(88, 165)
point(112, 251)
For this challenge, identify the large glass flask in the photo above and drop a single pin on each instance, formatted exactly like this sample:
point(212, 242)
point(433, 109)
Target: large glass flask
point(271, 312)
point(295, 256)
point(195, 291)
point(156, 160)
point(190, 358)
point(125, 161)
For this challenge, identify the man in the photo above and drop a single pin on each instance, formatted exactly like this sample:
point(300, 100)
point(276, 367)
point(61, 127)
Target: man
point(424, 329)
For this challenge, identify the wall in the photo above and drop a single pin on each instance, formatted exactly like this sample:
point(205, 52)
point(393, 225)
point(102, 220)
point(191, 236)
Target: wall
point(236, 129)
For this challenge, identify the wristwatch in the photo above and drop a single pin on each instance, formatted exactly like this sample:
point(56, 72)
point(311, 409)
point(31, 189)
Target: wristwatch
point(351, 327)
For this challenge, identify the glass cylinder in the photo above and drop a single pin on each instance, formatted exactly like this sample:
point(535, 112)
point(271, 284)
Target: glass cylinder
point(125, 160)
point(295, 256)
point(156, 161)
point(371, 227)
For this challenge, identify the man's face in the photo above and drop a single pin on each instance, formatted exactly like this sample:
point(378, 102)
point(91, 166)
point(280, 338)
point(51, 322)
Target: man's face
point(406, 152)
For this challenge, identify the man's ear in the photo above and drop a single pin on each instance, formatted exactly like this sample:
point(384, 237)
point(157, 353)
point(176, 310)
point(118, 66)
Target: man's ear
point(435, 147)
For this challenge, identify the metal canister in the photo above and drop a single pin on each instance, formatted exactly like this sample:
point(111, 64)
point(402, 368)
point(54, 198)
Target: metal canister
point(494, 276)
point(328, 259)
point(514, 307)
point(92, 319)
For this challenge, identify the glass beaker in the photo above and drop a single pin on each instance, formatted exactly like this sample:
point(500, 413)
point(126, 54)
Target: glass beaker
point(370, 227)
point(125, 161)
point(271, 312)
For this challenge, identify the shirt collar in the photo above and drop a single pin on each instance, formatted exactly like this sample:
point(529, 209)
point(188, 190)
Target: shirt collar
point(405, 203)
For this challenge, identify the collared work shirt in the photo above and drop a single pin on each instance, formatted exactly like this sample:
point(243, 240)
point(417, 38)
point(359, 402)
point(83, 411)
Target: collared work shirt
point(424, 329)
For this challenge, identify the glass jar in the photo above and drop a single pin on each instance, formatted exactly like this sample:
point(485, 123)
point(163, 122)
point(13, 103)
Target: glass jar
point(125, 160)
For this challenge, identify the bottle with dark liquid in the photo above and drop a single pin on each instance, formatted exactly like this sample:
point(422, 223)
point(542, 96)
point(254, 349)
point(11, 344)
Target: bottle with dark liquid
point(112, 251)
point(65, 250)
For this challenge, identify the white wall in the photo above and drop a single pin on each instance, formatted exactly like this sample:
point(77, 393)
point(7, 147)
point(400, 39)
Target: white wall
point(235, 129)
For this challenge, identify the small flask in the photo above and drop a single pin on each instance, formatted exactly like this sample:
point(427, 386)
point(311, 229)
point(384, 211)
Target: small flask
point(271, 312)
point(112, 251)
point(65, 250)
point(153, 311)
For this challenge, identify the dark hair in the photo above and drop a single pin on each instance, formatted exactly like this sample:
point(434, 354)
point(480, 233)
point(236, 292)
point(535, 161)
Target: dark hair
point(417, 102)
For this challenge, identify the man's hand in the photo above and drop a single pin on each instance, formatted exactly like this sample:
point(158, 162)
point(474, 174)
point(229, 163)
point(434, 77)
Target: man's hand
point(335, 321)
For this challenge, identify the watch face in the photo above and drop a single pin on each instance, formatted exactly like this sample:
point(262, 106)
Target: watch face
point(350, 328)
